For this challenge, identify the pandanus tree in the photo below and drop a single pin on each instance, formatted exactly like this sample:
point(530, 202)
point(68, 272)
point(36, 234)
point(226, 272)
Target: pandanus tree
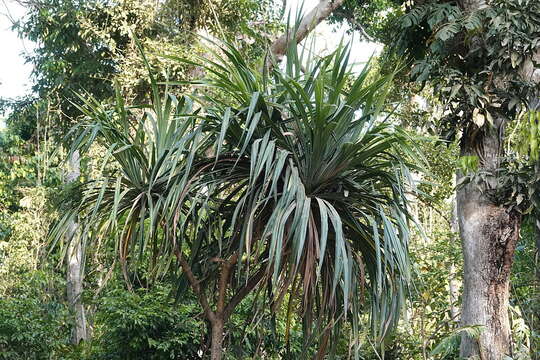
point(287, 182)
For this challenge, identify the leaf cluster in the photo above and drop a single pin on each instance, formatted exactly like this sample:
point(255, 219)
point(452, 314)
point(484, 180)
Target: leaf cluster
point(295, 174)
point(473, 58)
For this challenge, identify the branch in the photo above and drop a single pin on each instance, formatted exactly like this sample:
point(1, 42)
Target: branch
point(223, 281)
point(308, 23)
point(210, 315)
point(243, 292)
point(355, 24)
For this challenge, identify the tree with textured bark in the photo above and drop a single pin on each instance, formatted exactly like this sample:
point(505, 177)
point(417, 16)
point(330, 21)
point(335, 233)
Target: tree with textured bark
point(75, 263)
point(479, 56)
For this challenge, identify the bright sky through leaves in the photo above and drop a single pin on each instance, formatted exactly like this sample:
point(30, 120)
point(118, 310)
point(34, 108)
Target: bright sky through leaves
point(14, 73)
point(328, 36)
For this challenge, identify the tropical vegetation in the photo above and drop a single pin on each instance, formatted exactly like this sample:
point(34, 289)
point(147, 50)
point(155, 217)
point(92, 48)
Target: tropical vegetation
point(193, 180)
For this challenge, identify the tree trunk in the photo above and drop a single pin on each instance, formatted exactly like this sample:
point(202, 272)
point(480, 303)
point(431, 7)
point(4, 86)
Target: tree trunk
point(453, 285)
point(489, 234)
point(216, 348)
point(224, 309)
point(75, 264)
point(453, 293)
point(534, 317)
point(536, 223)
point(307, 24)
point(537, 241)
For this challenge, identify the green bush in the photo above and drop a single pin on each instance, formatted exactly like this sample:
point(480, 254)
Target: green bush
point(145, 325)
point(32, 329)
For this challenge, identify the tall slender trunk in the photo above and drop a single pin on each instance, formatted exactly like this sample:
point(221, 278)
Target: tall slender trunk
point(534, 317)
point(489, 234)
point(536, 223)
point(75, 264)
point(453, 286)
point(537, 241)
point(453, 292)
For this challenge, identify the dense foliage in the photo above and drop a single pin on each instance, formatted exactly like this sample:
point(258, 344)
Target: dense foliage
point(298, 210)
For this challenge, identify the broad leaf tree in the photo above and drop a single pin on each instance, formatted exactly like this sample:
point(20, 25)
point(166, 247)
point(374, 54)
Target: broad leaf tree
point(481, 58)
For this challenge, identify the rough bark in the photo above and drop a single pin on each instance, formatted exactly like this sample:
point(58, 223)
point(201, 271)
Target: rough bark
point(75, 265)
point(453, 285)
point(216, 348)
point(308, 23)
point(489, 234)
point(530, 72)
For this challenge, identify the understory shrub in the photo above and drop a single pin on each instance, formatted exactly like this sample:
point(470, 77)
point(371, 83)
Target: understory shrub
point(33, 329)
point(146, 325)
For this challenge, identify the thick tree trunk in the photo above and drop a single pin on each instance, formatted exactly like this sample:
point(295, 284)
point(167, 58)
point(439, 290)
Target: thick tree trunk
point(489, 234)
point(216, 347)
point(75, 265)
